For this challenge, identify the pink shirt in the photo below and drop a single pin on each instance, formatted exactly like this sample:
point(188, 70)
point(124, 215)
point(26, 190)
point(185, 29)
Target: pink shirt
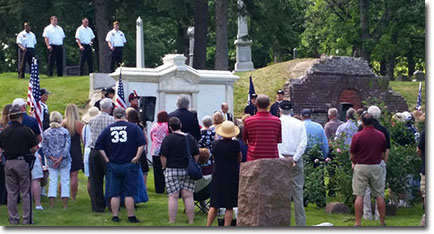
point(158, 132)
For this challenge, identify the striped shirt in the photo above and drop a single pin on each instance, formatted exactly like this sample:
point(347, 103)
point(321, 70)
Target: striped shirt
point(98, 124)
point(262, 132)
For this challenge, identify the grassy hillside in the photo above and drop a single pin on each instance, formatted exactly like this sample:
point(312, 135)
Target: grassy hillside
point(269, 79)
point(64, 90)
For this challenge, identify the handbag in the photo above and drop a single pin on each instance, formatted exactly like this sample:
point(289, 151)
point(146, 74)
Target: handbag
point(193, 169)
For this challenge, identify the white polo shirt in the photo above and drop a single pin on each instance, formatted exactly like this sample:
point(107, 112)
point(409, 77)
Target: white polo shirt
point(28, 40)
point(54, 34)
point(84, 34)
point(117, 38)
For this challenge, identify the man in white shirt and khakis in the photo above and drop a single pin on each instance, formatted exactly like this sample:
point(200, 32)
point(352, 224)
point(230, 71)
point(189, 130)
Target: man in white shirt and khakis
point(26, 41)
point(294, 141)
point(84, 37)
point(53, 36)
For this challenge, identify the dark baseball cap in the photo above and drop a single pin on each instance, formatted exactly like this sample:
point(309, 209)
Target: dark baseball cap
point(306, 112)
point(109, 90)
point(44, 91)
point(285, 105)
point(280, 91)
point(254, 95)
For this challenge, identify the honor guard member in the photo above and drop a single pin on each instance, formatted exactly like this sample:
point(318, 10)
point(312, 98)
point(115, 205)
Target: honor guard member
point(133, 99)
point(84, 37)
point(18, 143)
point(26, 41)
point(45, 112)
point(274, 109)
point(251, 108)
point(115, 39)
point(53, 36)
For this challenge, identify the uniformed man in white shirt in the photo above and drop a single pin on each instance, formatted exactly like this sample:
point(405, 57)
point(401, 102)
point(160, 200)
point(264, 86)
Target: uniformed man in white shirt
point(26, 41)
point(84, 37)
point(294, 141)
point(115, 39)
point(53, 36)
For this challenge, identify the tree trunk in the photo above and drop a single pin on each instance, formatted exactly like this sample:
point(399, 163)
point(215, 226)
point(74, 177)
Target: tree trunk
point(383, 70)
point(221, 18)
point(182, 40)
point(364, 28)
point(390, 68)
point(200, 33)
point(411, 63)
point(102, 26)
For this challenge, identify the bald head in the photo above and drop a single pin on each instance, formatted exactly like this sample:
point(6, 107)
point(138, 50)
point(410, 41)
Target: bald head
point(224, 107)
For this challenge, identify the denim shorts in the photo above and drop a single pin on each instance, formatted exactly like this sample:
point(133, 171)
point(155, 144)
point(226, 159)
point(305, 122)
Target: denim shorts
point(122, 178)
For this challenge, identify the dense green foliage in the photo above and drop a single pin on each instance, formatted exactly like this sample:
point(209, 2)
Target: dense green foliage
point(392, 36)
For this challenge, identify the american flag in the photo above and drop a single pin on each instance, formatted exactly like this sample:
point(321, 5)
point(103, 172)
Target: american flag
point(419, 98)
point(120, 99)
point(34, 94)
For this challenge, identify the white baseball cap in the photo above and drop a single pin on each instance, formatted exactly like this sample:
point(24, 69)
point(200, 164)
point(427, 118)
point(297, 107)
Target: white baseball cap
point(19, 102)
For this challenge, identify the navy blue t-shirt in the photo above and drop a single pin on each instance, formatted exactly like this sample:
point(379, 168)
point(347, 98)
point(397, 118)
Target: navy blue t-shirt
point(120, 141)
point(32, 123)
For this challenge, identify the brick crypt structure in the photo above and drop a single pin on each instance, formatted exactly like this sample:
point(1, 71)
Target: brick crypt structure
point(340, 82)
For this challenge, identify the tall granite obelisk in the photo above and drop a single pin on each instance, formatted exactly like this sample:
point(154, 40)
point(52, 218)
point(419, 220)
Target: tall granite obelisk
point(243, 43)
point(140, 46)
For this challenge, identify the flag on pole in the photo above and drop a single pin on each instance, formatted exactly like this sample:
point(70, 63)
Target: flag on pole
point(419, 98)
point(120, 99)
point(251, 90)
point(34, 93)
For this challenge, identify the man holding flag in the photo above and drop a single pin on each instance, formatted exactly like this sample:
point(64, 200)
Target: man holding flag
point(251, 100)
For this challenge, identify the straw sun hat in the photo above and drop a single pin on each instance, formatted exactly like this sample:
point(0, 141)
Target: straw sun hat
point(92, 112)
point(227, 129)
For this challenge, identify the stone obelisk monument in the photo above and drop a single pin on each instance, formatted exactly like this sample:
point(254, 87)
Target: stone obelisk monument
point(243, 43)
point(140, 48)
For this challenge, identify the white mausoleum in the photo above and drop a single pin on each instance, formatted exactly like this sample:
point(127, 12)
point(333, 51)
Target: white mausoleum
point(207, 89)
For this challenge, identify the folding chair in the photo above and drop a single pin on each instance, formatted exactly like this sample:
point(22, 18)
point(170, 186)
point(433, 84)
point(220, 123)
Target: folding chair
point(201, 197)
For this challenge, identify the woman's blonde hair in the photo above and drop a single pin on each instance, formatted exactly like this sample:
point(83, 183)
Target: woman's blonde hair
point(217, 118)
point(71, 117)
point(55, 120)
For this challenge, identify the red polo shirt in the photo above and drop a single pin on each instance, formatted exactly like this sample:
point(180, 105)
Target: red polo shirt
point(262, 132)
point(368, 145)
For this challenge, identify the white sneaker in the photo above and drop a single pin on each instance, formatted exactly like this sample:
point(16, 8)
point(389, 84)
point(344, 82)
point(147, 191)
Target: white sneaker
point(39, 207)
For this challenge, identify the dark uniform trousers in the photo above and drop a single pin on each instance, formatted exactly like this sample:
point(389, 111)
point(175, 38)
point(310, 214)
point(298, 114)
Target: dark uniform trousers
point(116, 58)
point(17, 178)
point(56, 54)
point(159, 182)
point(25, 58)
point(97, 170)
point(86, 55)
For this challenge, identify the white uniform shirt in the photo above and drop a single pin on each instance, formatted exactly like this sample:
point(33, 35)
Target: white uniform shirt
point(55, 35)
point(117, 38)
point(85, 35)
point(294, 139)
point(28, 40)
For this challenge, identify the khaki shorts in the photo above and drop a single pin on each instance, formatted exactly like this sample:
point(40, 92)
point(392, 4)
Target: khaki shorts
point(422, 185)
point(364, 175)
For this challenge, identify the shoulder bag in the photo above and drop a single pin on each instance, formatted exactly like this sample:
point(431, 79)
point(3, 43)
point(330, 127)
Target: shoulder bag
point(193, 169)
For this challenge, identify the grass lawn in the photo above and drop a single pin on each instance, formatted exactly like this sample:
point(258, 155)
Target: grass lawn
point(64, 90)
point(154, 213)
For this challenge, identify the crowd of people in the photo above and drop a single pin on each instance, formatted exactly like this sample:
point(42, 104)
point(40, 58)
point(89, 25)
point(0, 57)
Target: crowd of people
point(115, 143)
point(54, 35)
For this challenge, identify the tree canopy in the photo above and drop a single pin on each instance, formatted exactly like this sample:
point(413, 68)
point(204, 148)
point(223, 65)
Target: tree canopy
point(390, 34)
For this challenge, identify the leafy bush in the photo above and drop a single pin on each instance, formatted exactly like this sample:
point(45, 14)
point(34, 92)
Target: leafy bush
point(314, 191)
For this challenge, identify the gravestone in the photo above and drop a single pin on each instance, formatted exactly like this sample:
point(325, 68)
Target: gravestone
point(264, 193)
point(140, 48)
point(419, 75)
point(243, 43)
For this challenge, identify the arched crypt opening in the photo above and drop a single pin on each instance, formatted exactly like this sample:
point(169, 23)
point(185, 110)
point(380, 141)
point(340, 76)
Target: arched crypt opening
point(340, 82)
